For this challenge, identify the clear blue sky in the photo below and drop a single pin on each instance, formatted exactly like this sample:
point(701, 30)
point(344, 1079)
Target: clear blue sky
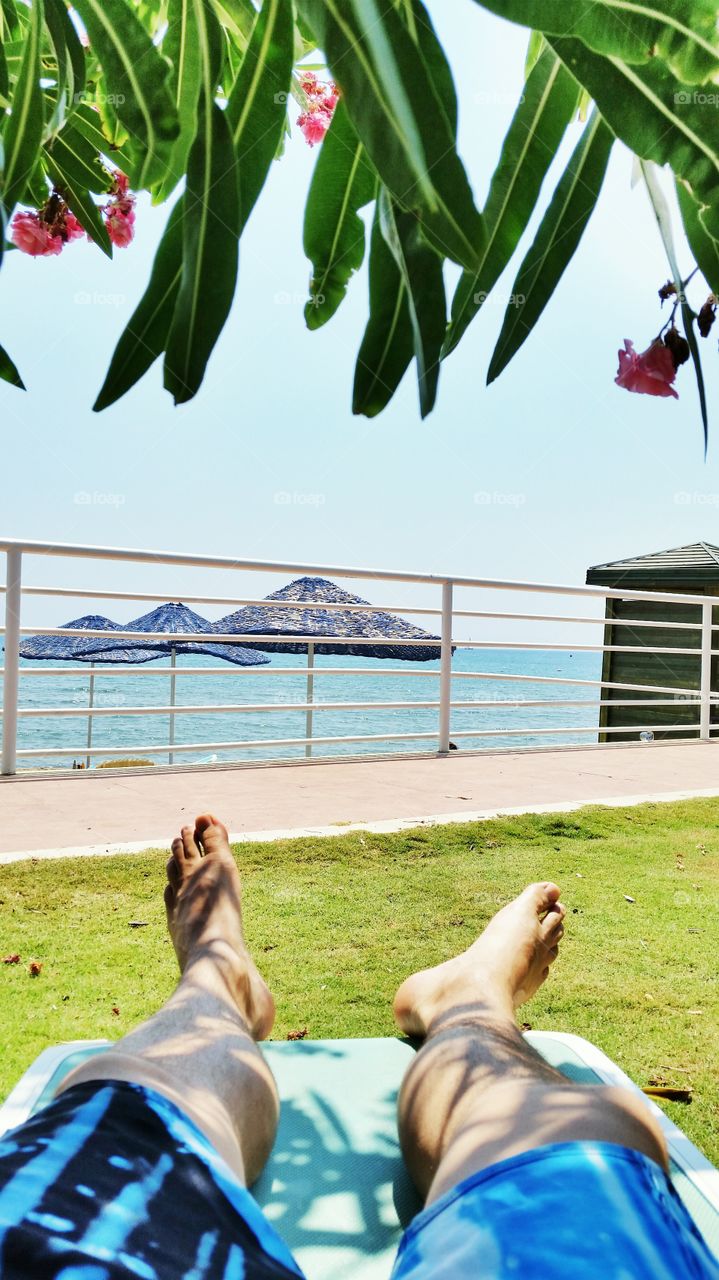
point(577, 470)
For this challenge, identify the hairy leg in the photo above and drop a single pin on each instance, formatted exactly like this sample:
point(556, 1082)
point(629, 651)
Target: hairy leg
point(477, 1093)
point(199, 1049)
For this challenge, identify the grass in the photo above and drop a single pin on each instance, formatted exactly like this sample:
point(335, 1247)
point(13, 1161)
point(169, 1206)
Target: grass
point(337, 923)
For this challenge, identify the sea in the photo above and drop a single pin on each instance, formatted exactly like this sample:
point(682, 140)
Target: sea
point(129, 736)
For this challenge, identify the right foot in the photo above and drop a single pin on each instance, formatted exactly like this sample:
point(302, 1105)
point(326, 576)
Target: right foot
point(202, 898)
point(502, 969)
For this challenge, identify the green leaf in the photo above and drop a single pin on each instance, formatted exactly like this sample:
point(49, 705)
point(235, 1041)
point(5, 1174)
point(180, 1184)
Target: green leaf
point(559, 233)
point(334, 234)
point(545, 109)
point(237, 16)
point(4, 77)
point(71, 152)
point(534, 50)
point(257, 108)
point(435, 61)
point(23, 130)
point(656, 116)
point(68, 51)
point(703, 246)
point(682, 33)
point(136, 76)
point(400, 115)
point(36, 191)
point(388, 342)
point(664, 223)
point(85, 121)
point(183, 48)
point(145, 336)
point(9, 372)
point(421, 270)
point(211, 220)
point(8, 19)
point(691, 337)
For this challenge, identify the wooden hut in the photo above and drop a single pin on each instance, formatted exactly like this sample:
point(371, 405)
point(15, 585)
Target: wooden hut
point(692, 569)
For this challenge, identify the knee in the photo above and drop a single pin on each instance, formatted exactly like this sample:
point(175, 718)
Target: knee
point(622, 1116)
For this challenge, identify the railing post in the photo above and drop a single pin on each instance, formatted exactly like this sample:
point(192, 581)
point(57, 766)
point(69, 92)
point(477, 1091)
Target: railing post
point(173, 699)
point(706, 674)
point(445, 673)
point(310, 698)
point(90, 705)
point(11, 680)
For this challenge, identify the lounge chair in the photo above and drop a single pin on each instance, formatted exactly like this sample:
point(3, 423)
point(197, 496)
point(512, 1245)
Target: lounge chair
point(335, 1186)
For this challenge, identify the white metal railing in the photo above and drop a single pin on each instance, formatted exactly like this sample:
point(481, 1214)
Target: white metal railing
point(442, 706)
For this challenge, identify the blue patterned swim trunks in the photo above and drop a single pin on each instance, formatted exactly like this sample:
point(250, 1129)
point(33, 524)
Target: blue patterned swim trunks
point(570, 1211)
point(113, 1182)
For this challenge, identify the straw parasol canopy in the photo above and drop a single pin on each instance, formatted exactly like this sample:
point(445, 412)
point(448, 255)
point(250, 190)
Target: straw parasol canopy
point(336, 623)
point(326, 627)
point(175, 619)
point(76, 648)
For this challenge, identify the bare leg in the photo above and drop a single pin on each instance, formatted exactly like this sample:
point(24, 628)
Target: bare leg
point(199, 1050)
point(477, 1093)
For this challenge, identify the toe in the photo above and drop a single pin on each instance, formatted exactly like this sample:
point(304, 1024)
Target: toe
point(542, 896)
point(190, 850)
point(552, 926)
point(210, 834)
point(173, 871)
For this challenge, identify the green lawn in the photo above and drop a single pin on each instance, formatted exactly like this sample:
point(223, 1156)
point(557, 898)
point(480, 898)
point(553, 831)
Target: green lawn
point(337, 923)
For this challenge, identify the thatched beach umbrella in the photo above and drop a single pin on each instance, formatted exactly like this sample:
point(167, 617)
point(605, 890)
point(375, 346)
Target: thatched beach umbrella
point(176, 619)
point(77, 649)
point(304, 616)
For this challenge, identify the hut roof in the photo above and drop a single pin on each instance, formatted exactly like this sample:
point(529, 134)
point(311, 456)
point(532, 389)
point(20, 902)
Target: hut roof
point(697, 564)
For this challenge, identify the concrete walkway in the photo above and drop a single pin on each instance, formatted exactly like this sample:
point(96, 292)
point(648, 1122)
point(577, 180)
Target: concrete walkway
point(97, 813)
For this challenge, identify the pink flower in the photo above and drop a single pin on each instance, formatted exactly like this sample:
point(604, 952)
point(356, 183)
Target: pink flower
point(73, 229)
point(650, 373)
point(322, 98)
point(31, 235)
point(314, 125)
point(120, 211)
point(120, 226)
point(121, 183)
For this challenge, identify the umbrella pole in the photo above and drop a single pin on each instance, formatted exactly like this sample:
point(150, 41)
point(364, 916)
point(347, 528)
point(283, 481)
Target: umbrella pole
point(90, 704)
point(173, 678)
point(310, 696)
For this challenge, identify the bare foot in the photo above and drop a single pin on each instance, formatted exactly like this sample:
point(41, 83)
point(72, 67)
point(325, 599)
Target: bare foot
point(203, 902)
point(502, 969)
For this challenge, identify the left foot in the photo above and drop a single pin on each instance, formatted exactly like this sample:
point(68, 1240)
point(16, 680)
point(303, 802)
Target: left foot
point(203, 902)
point(502, 969)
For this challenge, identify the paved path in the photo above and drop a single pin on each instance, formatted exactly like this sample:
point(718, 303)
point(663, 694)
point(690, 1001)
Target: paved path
point(95, 813)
